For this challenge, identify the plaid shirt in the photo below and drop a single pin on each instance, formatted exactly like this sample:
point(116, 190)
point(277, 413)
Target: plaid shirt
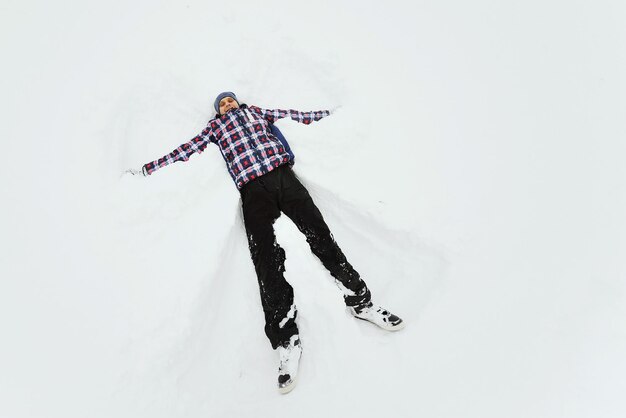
point(245, 139)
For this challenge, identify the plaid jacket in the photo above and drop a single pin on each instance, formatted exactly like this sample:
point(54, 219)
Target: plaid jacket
point(245, 139)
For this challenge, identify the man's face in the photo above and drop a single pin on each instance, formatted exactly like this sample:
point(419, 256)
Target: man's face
point(226, 104)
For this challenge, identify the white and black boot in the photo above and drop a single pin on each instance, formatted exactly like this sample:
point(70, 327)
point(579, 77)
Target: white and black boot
point(289, 353)
point(377, 315)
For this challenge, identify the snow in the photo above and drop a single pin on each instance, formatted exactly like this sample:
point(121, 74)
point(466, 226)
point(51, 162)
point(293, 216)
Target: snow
point(473, 175)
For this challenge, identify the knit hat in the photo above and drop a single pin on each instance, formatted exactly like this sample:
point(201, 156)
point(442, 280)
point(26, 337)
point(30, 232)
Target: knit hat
point(219, 98)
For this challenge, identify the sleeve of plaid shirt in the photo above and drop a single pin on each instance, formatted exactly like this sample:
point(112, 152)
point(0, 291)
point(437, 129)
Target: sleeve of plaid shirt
point(182, 153)
point(302, 117)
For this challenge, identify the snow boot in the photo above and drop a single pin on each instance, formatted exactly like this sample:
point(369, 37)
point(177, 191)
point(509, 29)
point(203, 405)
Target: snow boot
point(289, 353)
point(377, 315)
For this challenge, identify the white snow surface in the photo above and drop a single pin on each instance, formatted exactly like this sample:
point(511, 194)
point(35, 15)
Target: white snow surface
point(474, 176)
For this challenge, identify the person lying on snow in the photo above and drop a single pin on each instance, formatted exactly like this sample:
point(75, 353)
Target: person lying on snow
point(260, 162)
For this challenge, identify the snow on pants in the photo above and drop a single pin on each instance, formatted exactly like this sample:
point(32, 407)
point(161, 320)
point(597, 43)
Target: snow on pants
point(263, 200)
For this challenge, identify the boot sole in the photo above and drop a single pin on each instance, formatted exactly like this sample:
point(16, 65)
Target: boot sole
point(393, 328)
point(289, 388)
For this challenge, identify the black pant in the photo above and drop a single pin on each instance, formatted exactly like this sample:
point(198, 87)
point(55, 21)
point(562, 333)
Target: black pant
point(263, 199)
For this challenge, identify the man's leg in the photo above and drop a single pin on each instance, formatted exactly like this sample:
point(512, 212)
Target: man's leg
point(298, 205)
point(260, 210)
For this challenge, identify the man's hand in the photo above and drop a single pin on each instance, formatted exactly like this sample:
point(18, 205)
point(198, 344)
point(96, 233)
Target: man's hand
point(334, 109)
point(134, 172)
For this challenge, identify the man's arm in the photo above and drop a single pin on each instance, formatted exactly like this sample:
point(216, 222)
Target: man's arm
point(182, 153)
point(303, 117)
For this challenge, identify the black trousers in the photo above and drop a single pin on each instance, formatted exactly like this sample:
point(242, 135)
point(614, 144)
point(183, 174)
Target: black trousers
point(263, 200)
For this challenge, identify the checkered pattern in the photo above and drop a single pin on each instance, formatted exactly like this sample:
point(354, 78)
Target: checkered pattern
point(245, 140)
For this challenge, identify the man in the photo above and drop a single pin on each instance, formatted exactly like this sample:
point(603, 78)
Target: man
point(260, 162)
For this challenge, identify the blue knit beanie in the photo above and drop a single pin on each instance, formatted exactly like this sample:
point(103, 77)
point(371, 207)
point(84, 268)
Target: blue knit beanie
point(216, 105)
